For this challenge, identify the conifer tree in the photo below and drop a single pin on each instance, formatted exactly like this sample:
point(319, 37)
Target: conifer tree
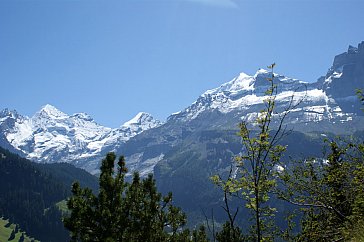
point(229, 234)
point(22, 238)
point(12, 235)
point(198, 235)
point(124, 211)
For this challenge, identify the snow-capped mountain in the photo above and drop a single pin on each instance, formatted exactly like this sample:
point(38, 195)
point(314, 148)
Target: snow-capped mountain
point(244, 97)
point(201, 140)
point(344, 77)
point(53, 136)
point(141, 122)
point(328, 105)
point(320, 106)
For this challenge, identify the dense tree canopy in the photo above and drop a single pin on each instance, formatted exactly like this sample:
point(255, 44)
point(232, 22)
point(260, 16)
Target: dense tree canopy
point(328, 191)
point(125, 211)
point(28, 196)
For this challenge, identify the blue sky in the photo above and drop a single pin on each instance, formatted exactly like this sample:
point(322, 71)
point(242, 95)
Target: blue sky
point(112, 59)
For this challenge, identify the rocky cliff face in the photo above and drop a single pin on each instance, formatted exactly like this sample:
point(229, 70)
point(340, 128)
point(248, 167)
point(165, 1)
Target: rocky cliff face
point(328, 105)
point(311, 107)
point(323, 106)
point(344, 77)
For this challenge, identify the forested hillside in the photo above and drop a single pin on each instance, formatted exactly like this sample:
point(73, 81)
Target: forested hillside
point(29, 192)
point(68, 174)
point(315, 194)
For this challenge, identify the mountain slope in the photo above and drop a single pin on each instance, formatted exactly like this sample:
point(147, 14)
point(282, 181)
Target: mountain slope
point(53, 136)
point(328, 105)
point(6, 232)
point(29, 193)
point(25, 193)
point(200, 140)
point(242, 99)
point(319, 109)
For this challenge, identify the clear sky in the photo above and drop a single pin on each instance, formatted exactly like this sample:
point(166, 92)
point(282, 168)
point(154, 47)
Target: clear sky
point(115, 58)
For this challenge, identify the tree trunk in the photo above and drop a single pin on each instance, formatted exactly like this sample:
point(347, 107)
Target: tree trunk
point(257, 215)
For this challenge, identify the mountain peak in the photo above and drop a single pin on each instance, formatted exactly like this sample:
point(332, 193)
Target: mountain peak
point(142, 121)
point(49, 107)
point(243, 75)
point(239, 83)
point(8, 113)
point(140, 118)
point(50, 111)
point(261, 71)
point(352, 56)
point(344, 77)
point(352, 49)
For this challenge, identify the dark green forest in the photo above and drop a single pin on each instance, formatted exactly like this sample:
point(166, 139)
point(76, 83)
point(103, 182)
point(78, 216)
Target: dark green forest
point(325, 198)
point(29, 193)
point(322, 197)
point(267, 193)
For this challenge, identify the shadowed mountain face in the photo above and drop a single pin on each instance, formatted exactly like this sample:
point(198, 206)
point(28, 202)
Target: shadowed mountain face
point(199, 141)
point(315, 110)
point(344, 77)
point(328, 105)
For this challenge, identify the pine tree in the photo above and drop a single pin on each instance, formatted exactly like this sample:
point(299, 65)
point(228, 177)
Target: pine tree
point(124, 211)
point(22, 238)
point(198, 235)
point(12, 235)
point(229, 234)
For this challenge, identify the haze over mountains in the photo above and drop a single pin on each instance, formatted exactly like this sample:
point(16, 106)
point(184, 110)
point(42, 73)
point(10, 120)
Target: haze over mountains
point(328, 105)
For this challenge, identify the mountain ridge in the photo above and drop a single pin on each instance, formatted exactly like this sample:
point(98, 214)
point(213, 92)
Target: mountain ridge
point(212, 113)
point(53, 136)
